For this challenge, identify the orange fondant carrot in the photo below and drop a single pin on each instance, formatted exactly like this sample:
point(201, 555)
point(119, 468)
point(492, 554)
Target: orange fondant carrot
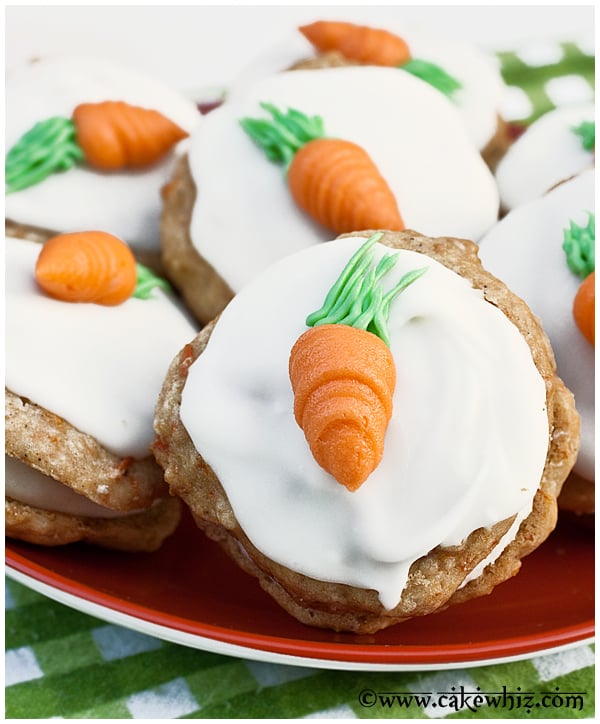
point(343, 379)
point(584, 308)
point(90, 266)
point(110, 136)
point(334, 181)
point(337, 183)
point(342, 371)
point(357, 42)
point(115, 135)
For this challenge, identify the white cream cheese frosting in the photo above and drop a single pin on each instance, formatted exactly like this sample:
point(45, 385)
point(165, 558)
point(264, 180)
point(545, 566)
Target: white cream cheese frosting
point(126, 204)
point(465, 446)
point(478, 100)
point(546, 154)
point(29, 486)
point(100, 368)
point(525, 251)
point(245, 217)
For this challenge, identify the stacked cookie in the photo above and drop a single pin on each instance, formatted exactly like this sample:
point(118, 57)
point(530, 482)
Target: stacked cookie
point(83, 367)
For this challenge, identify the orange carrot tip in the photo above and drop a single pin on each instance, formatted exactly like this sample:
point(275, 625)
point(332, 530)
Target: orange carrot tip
point(114, 135)
point(584, 308)
point(374, 46)
point(111, 135)
point(342, 371)
point(89, 266)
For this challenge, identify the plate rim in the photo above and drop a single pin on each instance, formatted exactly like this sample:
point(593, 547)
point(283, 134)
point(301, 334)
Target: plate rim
point(274, 649)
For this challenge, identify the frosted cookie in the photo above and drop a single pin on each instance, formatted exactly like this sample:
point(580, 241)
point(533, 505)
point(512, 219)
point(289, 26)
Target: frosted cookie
point(363, 484)
point(528, 249)
point(560, 144)
point(115, 183)
point(468, 76)
point(84, 365)
point(230, 211)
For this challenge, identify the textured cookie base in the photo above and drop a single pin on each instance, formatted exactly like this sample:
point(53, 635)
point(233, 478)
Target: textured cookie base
point(434, 580)
point(47, 443)
point(138, 532)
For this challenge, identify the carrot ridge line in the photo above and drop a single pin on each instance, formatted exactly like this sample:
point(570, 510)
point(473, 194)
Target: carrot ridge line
point(357, 299)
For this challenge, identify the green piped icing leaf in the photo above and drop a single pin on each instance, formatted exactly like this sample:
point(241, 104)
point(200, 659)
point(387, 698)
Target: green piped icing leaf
point(432, 74)
point(357, 298)
point(48, 147)
point(147, 281)
point(587, 134)
point(284, 134)
point(579, 245)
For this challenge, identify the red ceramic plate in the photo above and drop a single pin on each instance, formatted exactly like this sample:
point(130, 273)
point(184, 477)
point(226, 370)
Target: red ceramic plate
point(189, 592)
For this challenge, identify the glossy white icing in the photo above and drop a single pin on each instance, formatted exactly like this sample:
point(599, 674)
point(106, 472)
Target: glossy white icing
point(547, 153)
point(126, 204)
point(525, 251)
point(478, 100)
point(26, 485)
point(465, 447)
point(245, 217)
point(100, 368)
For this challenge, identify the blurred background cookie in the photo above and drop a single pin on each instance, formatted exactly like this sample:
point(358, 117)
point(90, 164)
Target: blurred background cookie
point(464, 73)
point(65, 188)
point(545, 251)
point(229, 212)
point(556, 146)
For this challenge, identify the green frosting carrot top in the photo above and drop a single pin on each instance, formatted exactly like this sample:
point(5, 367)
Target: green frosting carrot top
point(48, 147)
point(432, 74)
point(357, 298)
point(147, 280)
point(579, 244)
point(587, 134)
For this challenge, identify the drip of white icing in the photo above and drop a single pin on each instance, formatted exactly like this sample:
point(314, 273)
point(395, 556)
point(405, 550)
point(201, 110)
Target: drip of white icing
point(478, 100)
point(525, 250)
point(126, 204)
point(29, 486)
point(245, 217)
point(100, 368)
point(547, 153)
point(465, 447)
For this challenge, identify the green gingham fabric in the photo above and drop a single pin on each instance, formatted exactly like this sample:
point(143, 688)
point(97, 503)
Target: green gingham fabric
point(61, 663)
point(545, 76)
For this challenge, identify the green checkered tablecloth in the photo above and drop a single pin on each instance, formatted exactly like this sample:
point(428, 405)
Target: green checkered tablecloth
point(61, 663)
point(544, 76)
